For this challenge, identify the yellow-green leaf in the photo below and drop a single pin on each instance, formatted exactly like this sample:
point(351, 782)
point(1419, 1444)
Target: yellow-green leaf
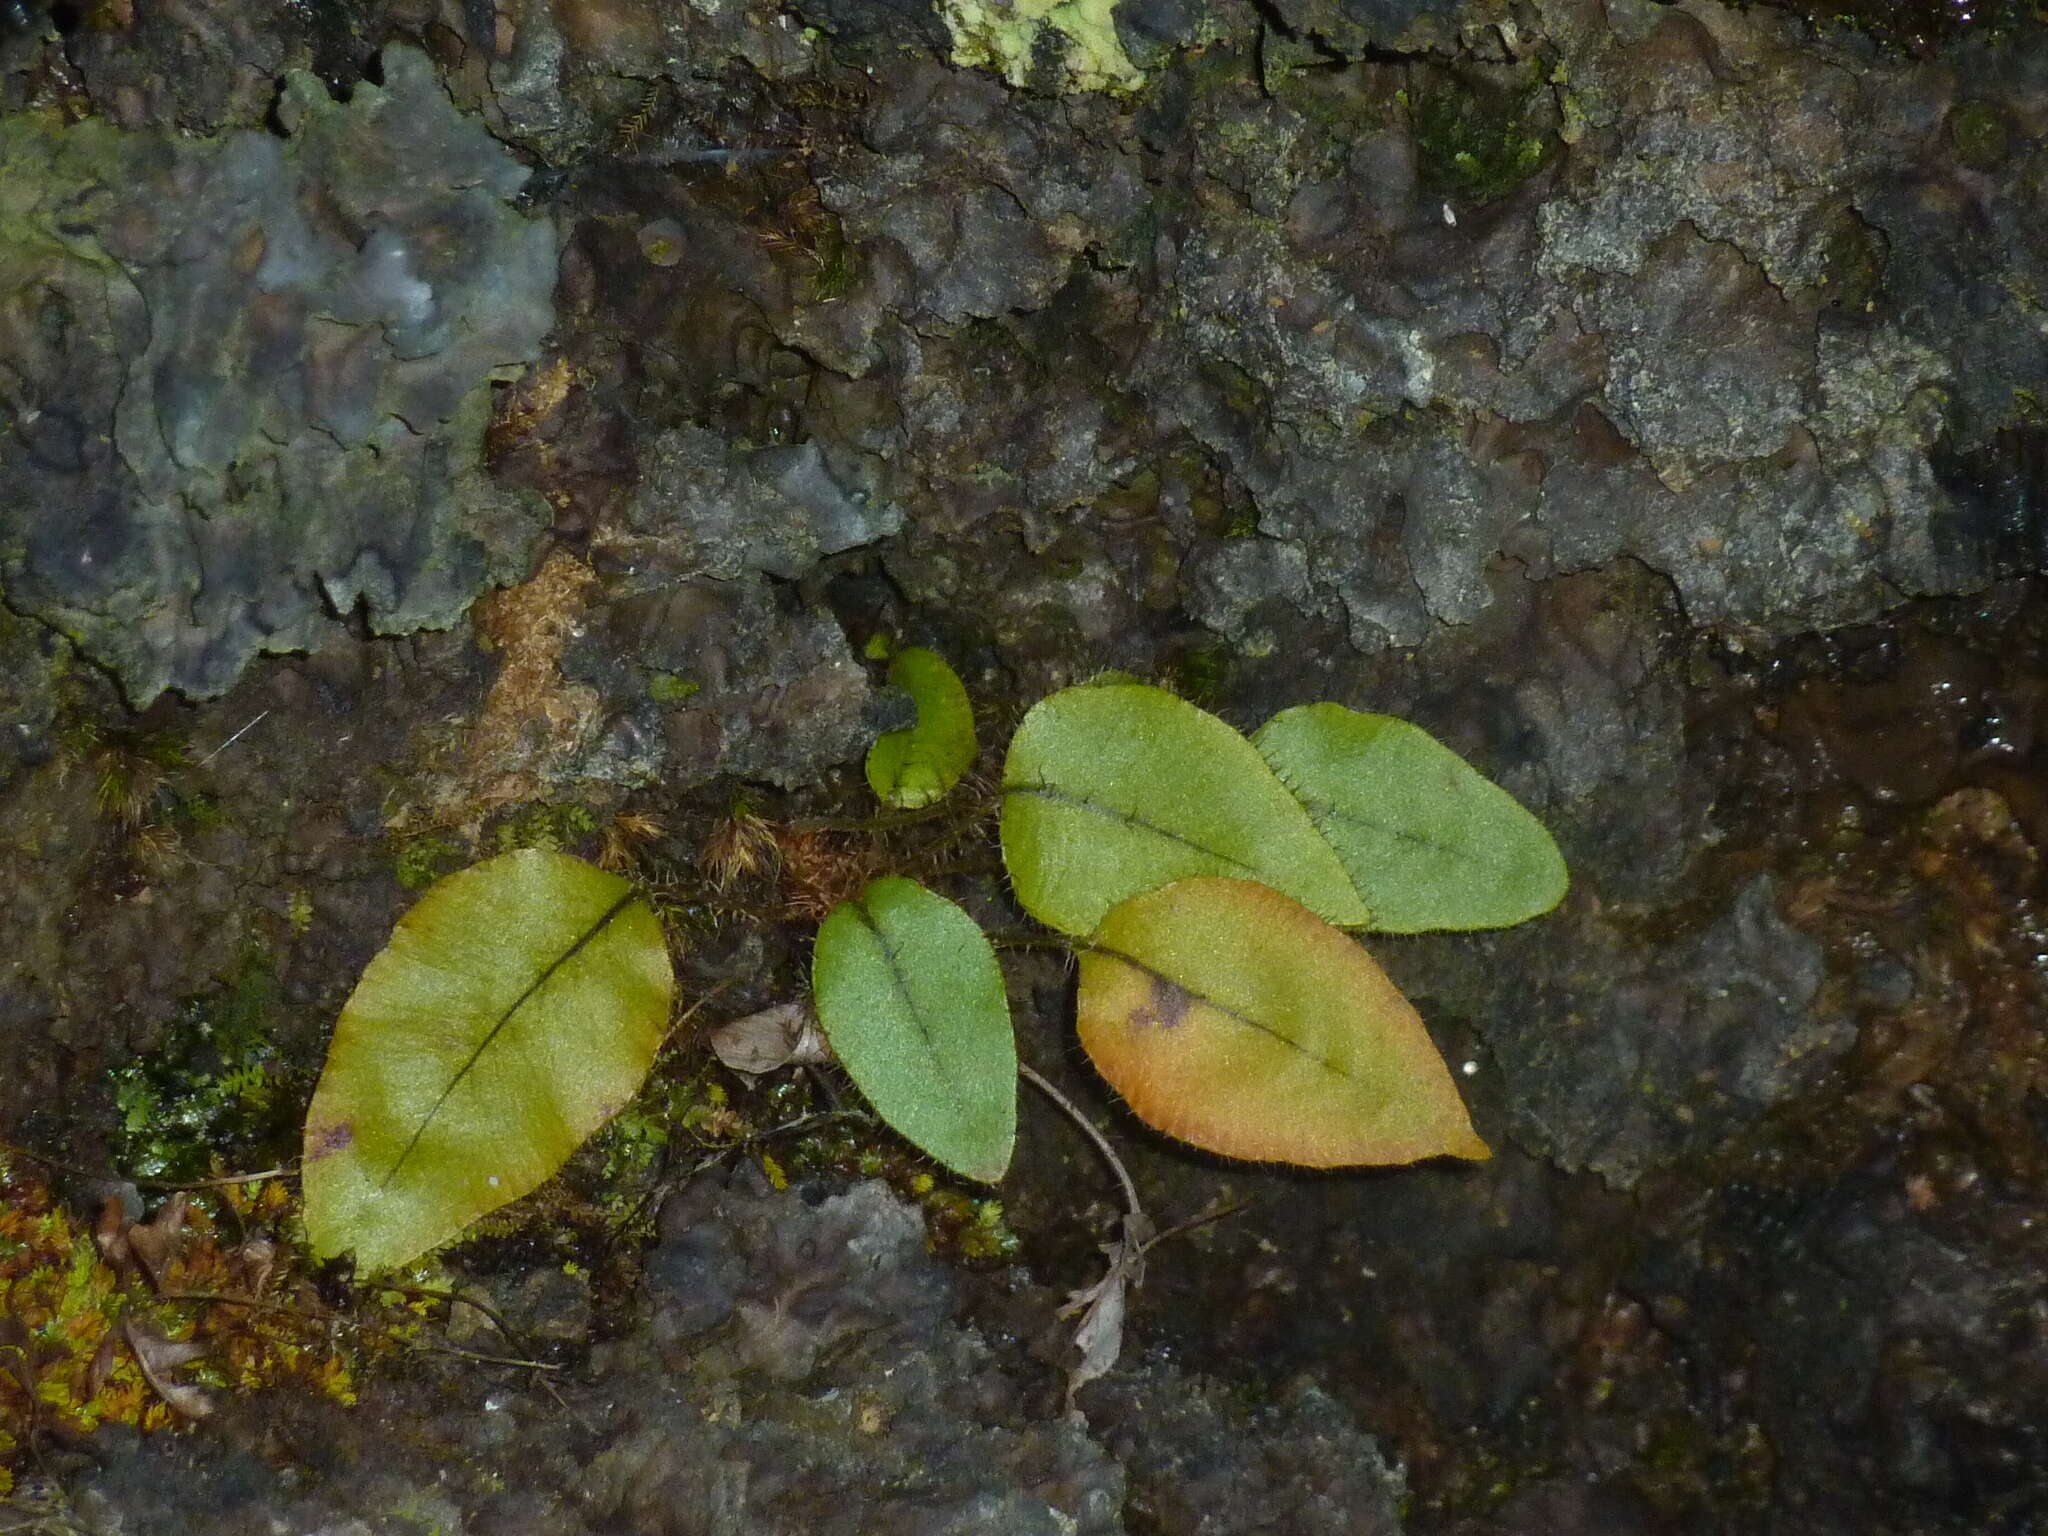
point(1236, 1019)
point(913, 768)
point(517, 1007)
point(913, 1002)
point(1428, 841)
point(1111, 789)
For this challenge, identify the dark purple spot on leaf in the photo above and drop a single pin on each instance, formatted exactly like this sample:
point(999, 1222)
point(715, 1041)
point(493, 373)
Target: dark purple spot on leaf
point(1168, 1008)
point(327, 1140)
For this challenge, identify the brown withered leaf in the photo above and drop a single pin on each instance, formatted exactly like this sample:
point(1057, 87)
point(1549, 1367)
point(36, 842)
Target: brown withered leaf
point(151, 1243)
point(1100, 1335)
point(254, 1263)
point(110, 1236)
point(158, 1357)
point(782, 1036)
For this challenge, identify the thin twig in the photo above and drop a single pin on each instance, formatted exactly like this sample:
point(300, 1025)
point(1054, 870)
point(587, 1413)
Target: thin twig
point(223, 1180)
point(698, 1007)
point(255, 1303)
point(562, 1403)
point(1195, 1223)
point(78, 1171)
point(466, 1354)
point(221, 1298)
point(505, 1329)
point(245, 730)
point(1067, 1106)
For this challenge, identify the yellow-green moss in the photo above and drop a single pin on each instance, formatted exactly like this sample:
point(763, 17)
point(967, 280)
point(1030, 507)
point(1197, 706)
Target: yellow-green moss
point(215, 1086)
point(672, 687)
point(66, 1368)
point(543, 825)
point(423, 860)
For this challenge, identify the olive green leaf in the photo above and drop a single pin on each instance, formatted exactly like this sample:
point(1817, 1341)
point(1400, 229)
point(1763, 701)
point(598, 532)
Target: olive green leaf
point(910, 769)
point(913, 1003)
point(1111, 789)
point(517, 1007)
point(1234, 1018)
point(1427, 840)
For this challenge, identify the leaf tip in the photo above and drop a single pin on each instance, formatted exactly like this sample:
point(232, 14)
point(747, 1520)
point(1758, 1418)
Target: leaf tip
point(986, 1172)
point(1468, 1144)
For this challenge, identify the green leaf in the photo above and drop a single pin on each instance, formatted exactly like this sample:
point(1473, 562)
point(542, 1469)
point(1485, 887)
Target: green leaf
point(1236, 1019)
point(517, 1007)
point(1111, 789)
point(1428, 841)
point(913, 1002)
point(912, 768)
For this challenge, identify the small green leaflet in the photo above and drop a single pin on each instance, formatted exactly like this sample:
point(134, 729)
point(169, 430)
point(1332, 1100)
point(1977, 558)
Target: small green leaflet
point(1114, 789)
point(1428, 841)
point(912, 1000)
point(517, 1007)
point(913, 768)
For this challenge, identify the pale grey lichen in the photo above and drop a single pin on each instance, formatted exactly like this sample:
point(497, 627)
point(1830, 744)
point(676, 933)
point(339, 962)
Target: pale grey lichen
point(250, 376)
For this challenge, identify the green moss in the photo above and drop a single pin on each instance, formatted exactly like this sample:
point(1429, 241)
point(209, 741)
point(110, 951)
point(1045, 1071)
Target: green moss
point(672, 687)
point(65, 1307)
point(546, 825)
point(198, 813)
point(1197, 673)
point(424, 859)
point(216, 1085)
point(131, 768)
point(988, 1238)
point(1478, 142)
point(1980, 135)
point(836, 267)
point(633, 1144)
point(1238, 390)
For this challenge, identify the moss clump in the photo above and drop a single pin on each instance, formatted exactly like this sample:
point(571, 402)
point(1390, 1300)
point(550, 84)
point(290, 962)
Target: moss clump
point(424, 859)
point(58, 1304)
point(1198, 671)
point(135, 773)
point(672, 687)
point(1980, 135)
point(634, 1144)
point(1478, 142)
point(67, 1363)
point(973, 1230)
point(215, 1087)
point(836, 266)
point(546, 826)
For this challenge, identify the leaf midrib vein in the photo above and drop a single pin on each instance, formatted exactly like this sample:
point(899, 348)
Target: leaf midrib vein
point(1319, 809)
point(1225, 1009)
point(901, 983)
point(1129, 819)
point(504, 1018)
